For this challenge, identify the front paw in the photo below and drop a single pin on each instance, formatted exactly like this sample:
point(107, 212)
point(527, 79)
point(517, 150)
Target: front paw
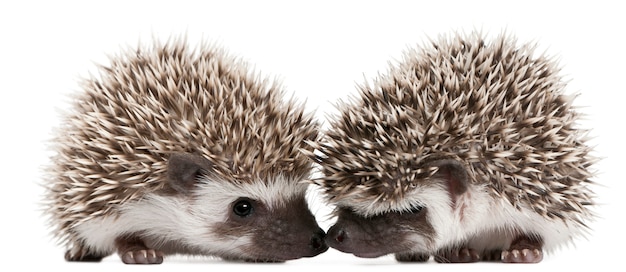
point(524, 249)
point(522, 256)
point(143, 256)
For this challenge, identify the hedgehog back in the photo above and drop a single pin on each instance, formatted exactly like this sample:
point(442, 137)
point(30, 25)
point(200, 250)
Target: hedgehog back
point(496, 107)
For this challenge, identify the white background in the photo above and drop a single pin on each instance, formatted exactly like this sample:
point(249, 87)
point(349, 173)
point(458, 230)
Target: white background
point(320, 50)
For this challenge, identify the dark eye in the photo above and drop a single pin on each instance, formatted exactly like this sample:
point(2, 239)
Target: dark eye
point(243, 208)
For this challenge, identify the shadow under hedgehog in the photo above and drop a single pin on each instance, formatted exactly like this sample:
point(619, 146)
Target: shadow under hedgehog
point(466, 150)
point(180, 151)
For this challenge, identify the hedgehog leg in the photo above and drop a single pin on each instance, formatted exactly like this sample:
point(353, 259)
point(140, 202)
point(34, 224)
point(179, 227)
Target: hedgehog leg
point(132, 250)
point(412, 257)
point(457, 255)
point(524, 249)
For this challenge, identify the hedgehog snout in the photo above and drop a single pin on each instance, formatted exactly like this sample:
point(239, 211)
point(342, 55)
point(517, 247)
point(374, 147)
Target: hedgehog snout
point(336, 236)
point(318, 244)
point(339, 238)
point(344, 237)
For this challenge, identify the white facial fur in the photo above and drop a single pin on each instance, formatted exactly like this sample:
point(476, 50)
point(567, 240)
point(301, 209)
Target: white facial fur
point(186, 221)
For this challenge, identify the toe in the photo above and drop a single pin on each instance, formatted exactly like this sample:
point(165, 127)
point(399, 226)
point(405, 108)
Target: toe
point(144, 256)
point(522, 256)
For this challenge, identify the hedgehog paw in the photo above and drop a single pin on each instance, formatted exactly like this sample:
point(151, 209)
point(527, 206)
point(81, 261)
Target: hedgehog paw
point(522, 256)
point(412, 257)
point(460, 255)
point(133, 250)
point(524, 249)
point(143, 256)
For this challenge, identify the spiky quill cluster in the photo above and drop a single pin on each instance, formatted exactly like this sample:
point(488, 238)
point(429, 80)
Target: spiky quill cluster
point(150, 102)
point(494, 106)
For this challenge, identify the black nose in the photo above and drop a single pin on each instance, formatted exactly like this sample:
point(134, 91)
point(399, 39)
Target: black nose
point(317, 244)
point(336, 236)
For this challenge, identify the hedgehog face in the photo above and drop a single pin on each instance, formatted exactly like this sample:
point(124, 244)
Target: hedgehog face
point(274, 232)
point(416, 222)
point(382, 234)
point(259, 221)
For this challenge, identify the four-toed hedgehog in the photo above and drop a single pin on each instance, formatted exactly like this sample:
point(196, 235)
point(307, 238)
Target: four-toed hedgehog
point(174, 150)
point(466, 150)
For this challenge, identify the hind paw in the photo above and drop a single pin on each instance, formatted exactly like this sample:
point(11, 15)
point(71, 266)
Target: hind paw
point(522, 256)
point(524, 249)
point(132, 250)
point(143, 256)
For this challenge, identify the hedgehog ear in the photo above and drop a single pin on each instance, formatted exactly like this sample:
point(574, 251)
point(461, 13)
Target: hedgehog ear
point(454, 174)
point(183, 170)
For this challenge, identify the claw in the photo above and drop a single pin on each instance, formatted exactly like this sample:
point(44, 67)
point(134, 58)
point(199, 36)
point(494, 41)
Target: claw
point(522, 256)
point(144, 256)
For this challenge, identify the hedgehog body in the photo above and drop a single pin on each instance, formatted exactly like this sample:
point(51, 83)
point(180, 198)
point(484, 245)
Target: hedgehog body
point(465, 150)
point(179, 150)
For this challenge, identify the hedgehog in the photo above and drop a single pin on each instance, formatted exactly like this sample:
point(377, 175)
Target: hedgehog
point(468, 149)
point(181, 150)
